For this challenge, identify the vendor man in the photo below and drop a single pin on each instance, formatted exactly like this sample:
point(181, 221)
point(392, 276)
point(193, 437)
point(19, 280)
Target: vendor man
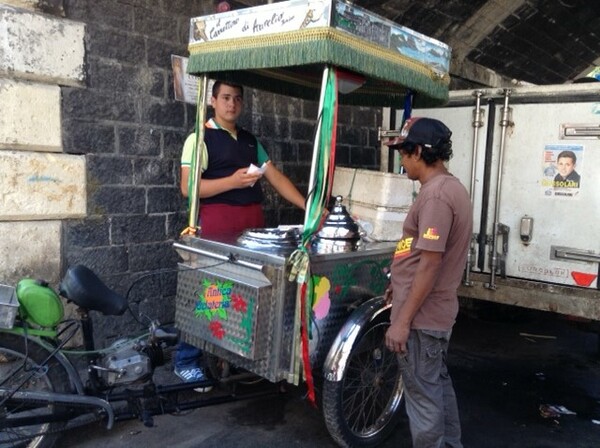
point(230, 194)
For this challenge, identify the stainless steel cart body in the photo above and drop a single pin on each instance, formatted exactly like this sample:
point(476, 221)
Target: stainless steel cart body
point(239, 304)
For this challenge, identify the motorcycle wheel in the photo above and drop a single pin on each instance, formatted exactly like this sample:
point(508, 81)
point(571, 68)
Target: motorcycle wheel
point(18, 360)
point(361, 410)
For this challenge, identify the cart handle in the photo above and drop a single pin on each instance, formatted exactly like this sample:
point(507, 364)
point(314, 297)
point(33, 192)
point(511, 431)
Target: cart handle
point(232, 258)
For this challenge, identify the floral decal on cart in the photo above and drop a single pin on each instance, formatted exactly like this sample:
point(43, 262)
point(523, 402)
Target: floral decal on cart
point(216, 301)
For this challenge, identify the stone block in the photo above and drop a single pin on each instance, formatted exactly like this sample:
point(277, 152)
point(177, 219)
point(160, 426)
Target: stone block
point(149, 257)
point(87, 232)
point(30, 249)
point(138, 229)
point(173, 144)
point(29, 116)
point(41, 47)
point(155, 172)
point(103, 261)
point(164, 113)
point(155, 24)
point(165, 199)
point(82, 137)
point(117, 200)
point(139, 141)
point(94, 104)
point(41, 186)
point(109, 170)
point(108, 43)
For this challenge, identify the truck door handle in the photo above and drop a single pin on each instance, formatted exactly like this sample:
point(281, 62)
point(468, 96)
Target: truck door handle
point(569, 253)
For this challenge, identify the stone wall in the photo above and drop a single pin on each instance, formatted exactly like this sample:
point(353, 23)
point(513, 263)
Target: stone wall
point(112, 117)
point(41, 186)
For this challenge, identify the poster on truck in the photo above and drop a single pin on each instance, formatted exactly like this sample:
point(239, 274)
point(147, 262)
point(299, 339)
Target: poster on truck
point(561, 169)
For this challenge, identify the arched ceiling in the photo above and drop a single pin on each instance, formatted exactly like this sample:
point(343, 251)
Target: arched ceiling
point(501, 42)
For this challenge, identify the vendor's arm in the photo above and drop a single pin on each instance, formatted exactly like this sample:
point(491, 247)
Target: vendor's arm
point(424, 279)
point(284, 186)
point(211, 187)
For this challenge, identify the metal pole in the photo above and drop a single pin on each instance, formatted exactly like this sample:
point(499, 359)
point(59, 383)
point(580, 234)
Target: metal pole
point(477, 123)
point(194, 194)
point(313, 167)
point(504, 124)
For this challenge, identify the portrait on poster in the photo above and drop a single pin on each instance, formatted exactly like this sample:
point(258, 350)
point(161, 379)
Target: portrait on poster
point(562, 166)
point(185, 86)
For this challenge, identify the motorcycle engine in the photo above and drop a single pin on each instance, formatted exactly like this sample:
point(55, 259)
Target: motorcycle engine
point(126, 364)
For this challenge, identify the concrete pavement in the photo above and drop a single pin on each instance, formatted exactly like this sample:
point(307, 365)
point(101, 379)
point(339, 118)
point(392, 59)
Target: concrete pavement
point(504, 368)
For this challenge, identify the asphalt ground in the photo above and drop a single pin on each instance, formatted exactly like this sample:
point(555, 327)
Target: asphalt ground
point(512, 369)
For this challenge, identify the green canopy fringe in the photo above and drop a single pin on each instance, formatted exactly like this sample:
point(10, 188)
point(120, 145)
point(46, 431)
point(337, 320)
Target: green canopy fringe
point(287, 56)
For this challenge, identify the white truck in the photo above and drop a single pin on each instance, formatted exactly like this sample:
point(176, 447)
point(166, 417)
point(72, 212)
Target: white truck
point(536, 242)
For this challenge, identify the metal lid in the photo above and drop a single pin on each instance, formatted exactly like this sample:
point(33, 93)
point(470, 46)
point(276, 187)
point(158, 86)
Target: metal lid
point(339, 224)
point(270, 238)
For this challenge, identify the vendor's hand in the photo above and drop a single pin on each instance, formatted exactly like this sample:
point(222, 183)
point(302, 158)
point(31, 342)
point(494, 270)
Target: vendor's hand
point(396, 337)
point(242, 179)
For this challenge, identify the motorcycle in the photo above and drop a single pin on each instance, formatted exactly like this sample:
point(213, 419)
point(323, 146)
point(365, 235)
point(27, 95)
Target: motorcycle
point(45, 389)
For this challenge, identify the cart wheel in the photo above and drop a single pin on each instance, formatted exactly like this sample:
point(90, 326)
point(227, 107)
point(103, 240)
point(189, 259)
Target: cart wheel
point(25, 366)
point(361, 409)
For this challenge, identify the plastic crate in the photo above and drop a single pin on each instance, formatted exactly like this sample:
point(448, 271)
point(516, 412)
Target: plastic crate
point(9, 306)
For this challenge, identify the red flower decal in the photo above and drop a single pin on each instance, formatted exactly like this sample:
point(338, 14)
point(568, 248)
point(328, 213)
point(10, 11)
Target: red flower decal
point(338, 289)
point(238, 303)
point(217, 329)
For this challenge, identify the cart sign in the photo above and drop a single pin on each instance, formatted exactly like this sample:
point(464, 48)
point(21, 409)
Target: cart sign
point(267, 19)
point(297, 15)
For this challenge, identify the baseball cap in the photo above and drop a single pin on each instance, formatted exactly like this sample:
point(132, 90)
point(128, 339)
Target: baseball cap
point(421, 131)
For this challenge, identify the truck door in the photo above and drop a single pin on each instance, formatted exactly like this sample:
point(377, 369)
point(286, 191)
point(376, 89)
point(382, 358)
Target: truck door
point(542, 222)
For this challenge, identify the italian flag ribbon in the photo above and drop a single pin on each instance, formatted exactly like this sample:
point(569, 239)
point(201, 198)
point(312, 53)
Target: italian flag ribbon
point(320, 186)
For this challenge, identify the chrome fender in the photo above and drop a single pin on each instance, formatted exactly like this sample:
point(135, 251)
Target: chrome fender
point(335, 363)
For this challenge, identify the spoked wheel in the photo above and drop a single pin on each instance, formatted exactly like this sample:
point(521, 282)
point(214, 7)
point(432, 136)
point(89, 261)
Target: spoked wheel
point(361, 409)
point(21, 369)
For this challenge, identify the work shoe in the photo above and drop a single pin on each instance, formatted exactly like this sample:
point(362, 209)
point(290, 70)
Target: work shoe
point(193, 375)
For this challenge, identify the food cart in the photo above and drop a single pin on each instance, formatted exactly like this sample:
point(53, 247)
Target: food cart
point(303, 304)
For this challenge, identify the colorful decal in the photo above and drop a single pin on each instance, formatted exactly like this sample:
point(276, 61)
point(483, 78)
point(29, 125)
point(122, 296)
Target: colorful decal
point(562, 166)
point(238, 303)
point(322, 302)
point(214, 299)
point(403, 247)
point(348, 275)
point(246, 307)
point(217, 330)
point(583, 278)
point(431, 234)
point(224, 309)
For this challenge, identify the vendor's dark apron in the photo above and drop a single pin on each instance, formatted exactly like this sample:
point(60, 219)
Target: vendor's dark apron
point(225, 219)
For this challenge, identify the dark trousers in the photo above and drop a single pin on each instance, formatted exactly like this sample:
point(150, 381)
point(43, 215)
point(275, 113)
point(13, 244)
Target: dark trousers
point(430, 399)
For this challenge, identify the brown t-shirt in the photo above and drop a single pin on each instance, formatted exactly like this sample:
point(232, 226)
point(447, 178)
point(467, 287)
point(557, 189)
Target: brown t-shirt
point(440, 220)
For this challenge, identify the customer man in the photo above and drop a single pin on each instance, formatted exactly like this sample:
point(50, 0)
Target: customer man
point(230, 194)
point(426, 271)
